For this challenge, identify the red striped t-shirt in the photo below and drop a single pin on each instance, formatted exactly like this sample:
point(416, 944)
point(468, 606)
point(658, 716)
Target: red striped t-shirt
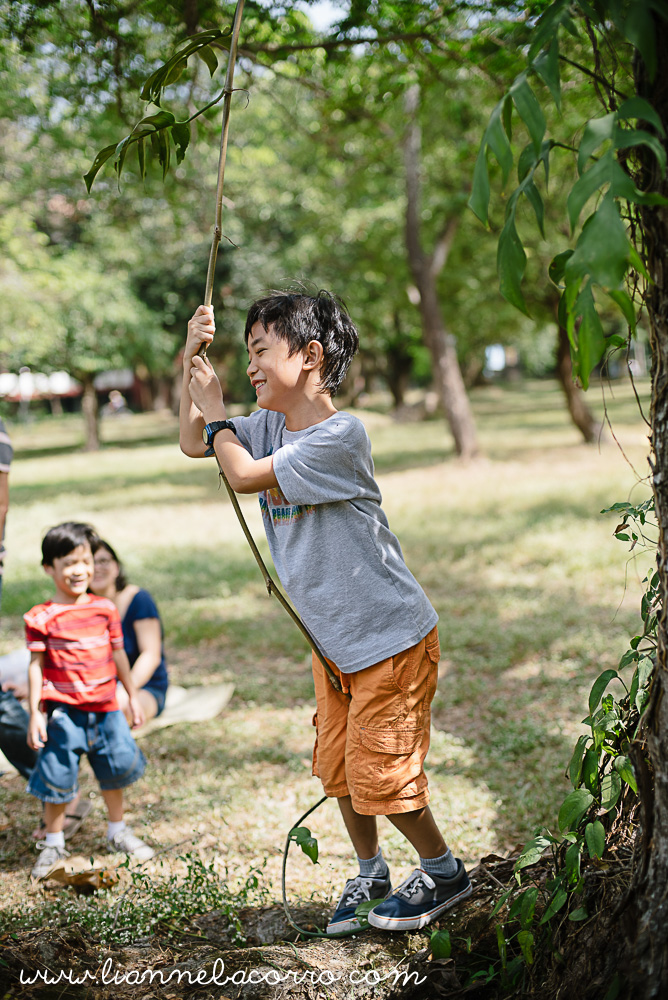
point(78, 642)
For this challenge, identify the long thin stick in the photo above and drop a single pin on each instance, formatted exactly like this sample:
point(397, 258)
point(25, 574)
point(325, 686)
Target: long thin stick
point(208, 295)
point(227, 101)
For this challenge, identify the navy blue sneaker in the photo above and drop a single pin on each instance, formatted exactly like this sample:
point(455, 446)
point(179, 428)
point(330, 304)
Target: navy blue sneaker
point(356, 891)
point(421, 899)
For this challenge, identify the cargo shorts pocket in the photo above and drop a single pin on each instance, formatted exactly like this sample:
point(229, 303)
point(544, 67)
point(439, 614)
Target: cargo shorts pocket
point(388, 763)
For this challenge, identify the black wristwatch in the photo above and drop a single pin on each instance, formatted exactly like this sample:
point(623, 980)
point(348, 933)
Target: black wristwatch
point(210, 431)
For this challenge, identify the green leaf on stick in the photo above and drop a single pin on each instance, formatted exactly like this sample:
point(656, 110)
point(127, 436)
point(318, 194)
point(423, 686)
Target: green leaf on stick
point(573, 808)
point(595, 839)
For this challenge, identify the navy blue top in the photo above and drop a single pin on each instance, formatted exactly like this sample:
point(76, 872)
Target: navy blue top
point(143, 606)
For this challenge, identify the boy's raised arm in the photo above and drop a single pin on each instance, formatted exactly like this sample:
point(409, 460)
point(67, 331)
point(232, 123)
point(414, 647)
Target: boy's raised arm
point(201, 329)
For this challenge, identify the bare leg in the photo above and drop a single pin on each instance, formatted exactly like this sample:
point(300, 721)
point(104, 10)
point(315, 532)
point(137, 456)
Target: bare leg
point(114, 799)
point(54, 816)
point(420, 829)
point(148, 703)
point(362, 830)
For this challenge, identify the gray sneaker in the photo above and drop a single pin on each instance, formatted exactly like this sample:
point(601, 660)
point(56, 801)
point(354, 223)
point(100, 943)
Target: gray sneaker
point(357, 890)
point(125, 842)
point(47, 859)
point(420, 899)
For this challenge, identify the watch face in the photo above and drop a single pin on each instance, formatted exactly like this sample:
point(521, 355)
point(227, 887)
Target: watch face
point(205, 434)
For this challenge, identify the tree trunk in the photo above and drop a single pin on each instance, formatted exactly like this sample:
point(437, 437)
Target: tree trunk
point(425, 268)
point(398, 365)
point(646, 919)
point(91, 413)
point(580, 413)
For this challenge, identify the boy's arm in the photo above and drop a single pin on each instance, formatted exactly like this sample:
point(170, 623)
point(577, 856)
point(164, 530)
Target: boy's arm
point(201, 329)
point(36, 723)
point(202, 403)
point(125, 677)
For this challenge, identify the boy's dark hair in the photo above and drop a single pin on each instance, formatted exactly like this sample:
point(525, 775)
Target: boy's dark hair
point(299, 318)
point(64, 538)
point(121, 579)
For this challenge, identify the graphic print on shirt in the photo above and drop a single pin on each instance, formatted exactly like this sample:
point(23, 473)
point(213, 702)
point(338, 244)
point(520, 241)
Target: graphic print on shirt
point(275, 508)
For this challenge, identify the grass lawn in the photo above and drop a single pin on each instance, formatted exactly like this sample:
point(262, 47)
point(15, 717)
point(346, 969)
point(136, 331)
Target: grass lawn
point(535, 599)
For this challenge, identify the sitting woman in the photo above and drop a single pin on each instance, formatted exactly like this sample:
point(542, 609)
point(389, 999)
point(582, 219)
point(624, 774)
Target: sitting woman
point(142, 632)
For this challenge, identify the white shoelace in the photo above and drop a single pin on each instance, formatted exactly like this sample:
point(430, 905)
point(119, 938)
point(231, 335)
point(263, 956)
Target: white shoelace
point(414, 883)
point(357, 890)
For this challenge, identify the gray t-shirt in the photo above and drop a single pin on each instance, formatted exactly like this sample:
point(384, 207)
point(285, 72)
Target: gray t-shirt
point(332, 547)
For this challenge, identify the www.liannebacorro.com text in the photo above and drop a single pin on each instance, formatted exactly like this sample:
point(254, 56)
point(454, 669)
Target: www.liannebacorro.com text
point(107, 975)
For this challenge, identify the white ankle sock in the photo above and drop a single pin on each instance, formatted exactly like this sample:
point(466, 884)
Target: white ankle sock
point(114, 828)
point(55, 839)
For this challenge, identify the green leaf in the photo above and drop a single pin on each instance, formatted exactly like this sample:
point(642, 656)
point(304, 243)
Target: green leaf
point(181, 137)
point(529, 110)
point(175, 72)
point(208, 56)
point(587, 184)
point(599, 686)
point(611, 788)
point(572, 862)
point(496, 138)
point(362, 911)
point(596, 132)
point(439, 942)
point(309, 845)
point(528, 906)
point(624, 769)
point(533, 196)
point(573, 808)
point(532, 852)
point(511, 260)
point(500, 901)
point(639, 108)
point(548, 26)
point(98, 162)
point(525, 941)
point(558, 900)
point(625, 138)
point(602, 250)
point(579, 914)
point(575, 765)
point(623, 300)
point(479, 200)
point(590, 337)
point(595, 839)
point(558, 266)
point(547, 68)
point(590, 771)
point(141, 156)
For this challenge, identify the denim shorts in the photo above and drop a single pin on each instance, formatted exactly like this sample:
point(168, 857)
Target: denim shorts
point(160, 694)
point(106, 740)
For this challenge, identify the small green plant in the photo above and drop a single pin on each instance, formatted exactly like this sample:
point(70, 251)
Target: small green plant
point(150, 905)
point(602, 773)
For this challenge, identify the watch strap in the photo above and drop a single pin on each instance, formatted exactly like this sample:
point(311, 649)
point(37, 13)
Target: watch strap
point(212, 429)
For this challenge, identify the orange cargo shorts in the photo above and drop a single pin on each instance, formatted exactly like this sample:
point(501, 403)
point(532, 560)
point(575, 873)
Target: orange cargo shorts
point(371, 744)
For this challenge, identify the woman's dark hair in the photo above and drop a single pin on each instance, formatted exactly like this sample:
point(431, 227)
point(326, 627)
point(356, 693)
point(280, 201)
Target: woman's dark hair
point(64, 538)
point(121, 579)
point(299, 318)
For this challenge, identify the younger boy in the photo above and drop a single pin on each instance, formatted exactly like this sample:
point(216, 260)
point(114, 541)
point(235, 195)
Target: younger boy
point(344, 571)
point(77, 654)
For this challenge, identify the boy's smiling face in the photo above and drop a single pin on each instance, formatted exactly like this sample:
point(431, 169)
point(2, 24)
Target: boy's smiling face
point(276, 376)
point(72, 574)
